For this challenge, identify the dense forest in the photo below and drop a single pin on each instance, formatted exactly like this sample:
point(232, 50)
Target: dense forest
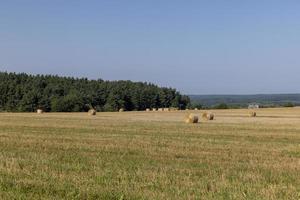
point(27, 93)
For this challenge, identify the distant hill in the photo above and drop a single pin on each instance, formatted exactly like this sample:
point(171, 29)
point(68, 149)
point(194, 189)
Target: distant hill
point(244, 100)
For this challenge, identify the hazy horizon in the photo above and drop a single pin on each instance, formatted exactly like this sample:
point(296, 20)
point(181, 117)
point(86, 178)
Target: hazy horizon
point(199, 47)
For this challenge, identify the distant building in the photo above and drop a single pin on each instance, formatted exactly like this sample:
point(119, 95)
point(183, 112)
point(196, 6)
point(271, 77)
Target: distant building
point(253, 106)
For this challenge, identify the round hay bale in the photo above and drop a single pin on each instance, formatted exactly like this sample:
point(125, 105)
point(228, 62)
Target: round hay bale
point(148, 110)
point(121, 110)
point(39, 111)
point(252, 114)
point(154, 109)
point(92, 112)
point(187, 120)
point(196, 109)
point(166, 109)
point(160, 109)
point(208, 116)
point(191, 119)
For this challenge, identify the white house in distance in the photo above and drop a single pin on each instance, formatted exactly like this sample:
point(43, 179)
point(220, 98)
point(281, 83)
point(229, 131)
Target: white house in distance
point(253, 106)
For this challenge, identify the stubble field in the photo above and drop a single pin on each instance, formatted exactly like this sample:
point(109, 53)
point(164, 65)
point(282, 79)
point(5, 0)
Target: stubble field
point(150, 155)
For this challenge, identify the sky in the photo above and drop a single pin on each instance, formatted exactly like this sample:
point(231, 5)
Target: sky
point(195, 46)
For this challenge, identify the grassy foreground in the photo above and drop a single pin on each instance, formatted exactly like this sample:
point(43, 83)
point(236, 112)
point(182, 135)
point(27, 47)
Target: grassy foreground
point(150, 155)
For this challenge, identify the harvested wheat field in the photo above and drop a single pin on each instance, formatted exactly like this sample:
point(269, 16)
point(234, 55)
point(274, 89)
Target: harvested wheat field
point(150, 155)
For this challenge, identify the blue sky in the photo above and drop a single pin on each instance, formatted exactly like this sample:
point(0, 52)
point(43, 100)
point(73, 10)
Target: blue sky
point(198, 47)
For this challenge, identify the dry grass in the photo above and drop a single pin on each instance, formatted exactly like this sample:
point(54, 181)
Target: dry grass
point(150, 155)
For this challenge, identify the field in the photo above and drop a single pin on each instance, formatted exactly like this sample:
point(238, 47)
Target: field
point(150, 155)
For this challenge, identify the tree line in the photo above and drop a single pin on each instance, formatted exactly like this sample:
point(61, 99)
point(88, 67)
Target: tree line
point(27, 93)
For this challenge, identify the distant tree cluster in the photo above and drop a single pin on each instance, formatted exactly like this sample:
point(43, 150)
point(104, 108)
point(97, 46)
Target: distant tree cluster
point(221, 106)
point(26, 93)
point(289, 104)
